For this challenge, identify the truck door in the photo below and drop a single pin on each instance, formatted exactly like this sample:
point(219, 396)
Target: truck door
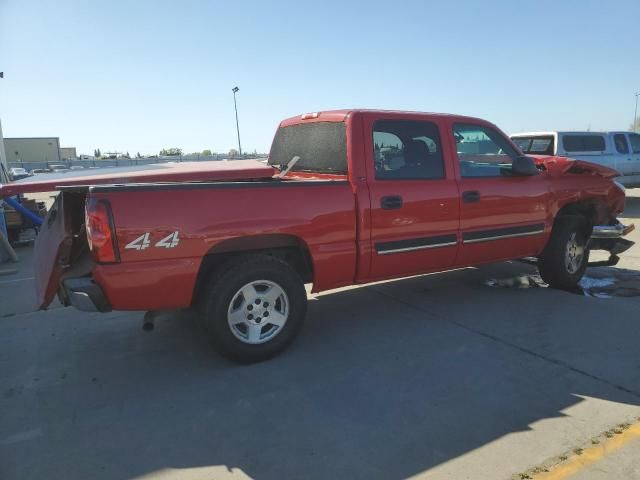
point(624, 158)
point(634, 140)
point(414, 197)
point(502, 216)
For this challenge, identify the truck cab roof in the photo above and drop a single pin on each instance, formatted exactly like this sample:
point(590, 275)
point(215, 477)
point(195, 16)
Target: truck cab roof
point(566, 132)
point(342, 114)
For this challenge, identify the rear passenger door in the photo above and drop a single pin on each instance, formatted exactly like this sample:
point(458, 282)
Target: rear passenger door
point(502, 215)
point(414, 198)
point(624, 158)
point(634, 140)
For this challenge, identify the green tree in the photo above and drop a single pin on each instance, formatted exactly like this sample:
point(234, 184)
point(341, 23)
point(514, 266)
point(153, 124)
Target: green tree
point(206, 153)
point(171, 152)
point(233, 153)
point(96, 153)
point(138, 155)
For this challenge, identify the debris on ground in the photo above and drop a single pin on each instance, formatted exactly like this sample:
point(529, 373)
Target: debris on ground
point(601, 282)
point(519, 281)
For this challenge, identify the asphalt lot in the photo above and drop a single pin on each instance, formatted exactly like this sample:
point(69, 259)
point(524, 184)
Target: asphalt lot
point(437, 377)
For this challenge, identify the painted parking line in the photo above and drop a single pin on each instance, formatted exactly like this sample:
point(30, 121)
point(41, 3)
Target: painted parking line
point(591, 455)
point(15, 280)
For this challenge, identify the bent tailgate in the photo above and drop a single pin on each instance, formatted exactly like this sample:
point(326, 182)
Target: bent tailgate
point(53, 245)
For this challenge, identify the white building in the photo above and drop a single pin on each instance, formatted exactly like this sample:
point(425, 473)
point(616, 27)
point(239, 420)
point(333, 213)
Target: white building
point(32, 149)
point(68, 153)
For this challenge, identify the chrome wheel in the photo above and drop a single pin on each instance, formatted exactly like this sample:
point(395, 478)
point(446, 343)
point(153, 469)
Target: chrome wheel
point(258, 312)
point(574, 254)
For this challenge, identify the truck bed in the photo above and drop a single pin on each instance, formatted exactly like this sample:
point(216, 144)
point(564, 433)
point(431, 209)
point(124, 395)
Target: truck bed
point(164, 232)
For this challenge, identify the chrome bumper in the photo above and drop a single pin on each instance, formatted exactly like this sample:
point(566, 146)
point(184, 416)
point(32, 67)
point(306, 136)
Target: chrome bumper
point(609, 238)
point(612, 231)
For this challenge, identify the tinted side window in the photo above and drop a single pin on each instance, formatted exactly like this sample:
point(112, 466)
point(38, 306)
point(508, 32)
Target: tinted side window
point(407, 150)
point(583, 143)
point(634, 138)
point(482, 151)
point(621, 143)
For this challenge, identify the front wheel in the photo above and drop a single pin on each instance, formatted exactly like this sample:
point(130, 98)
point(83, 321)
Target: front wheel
point(254, 307)
point(564, 260)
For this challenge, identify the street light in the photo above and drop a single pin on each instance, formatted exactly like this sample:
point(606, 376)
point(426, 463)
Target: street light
point(4, 177)
point(235, 105)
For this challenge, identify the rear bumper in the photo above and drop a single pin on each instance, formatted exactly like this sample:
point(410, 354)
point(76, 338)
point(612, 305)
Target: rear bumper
point(84, 294)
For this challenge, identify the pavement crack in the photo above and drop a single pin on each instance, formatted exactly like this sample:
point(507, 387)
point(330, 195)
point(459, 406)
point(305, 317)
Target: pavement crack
point(515, 346)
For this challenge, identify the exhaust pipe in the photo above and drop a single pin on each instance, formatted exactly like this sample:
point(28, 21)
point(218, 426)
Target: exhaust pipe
point(148, 321)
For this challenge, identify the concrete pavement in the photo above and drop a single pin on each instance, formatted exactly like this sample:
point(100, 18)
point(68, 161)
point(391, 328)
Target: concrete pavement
point(437, 377)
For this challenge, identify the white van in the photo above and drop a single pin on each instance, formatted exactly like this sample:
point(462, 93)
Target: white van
point(618, 150)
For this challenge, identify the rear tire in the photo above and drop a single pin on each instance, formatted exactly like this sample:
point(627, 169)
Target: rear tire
point(564, 260)
point(253, 307)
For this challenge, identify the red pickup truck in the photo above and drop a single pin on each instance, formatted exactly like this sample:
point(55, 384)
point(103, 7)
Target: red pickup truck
point(347, 197)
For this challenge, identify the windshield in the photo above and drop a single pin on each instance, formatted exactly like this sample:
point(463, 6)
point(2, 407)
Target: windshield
point(538, 145)
point(321, 146)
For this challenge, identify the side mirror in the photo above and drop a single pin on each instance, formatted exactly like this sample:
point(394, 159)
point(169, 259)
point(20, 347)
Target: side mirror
point(525, 166)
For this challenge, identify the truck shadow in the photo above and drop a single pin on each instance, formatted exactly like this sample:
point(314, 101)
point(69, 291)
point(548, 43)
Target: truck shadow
point(386, 381)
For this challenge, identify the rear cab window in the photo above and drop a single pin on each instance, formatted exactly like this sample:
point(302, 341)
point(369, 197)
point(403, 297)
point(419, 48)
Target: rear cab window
point(321, 146)
point(536, 145)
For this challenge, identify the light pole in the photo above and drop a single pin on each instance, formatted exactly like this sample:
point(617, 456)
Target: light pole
point(635, 114)
point(3, 156)
point(235, 105)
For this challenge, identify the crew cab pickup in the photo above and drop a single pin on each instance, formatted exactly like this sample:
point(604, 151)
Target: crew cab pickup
point(617, 150)
point(347, 197)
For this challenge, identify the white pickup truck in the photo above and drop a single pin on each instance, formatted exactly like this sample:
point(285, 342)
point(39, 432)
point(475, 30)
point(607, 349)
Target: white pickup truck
point(617, 150)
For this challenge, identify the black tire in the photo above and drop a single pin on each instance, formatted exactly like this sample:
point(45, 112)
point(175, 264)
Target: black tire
point(226, 285)
point(553, 264)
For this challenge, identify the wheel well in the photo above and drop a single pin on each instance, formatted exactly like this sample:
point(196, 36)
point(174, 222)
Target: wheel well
point(288, 248)
point(593, 212)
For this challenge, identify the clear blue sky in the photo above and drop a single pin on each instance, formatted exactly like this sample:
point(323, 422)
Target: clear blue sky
point(141, 75)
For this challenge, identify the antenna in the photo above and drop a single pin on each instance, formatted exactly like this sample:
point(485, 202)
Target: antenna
point(289, 166)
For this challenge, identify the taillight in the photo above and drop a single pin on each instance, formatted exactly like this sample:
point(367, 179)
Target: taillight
point(101, 233)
